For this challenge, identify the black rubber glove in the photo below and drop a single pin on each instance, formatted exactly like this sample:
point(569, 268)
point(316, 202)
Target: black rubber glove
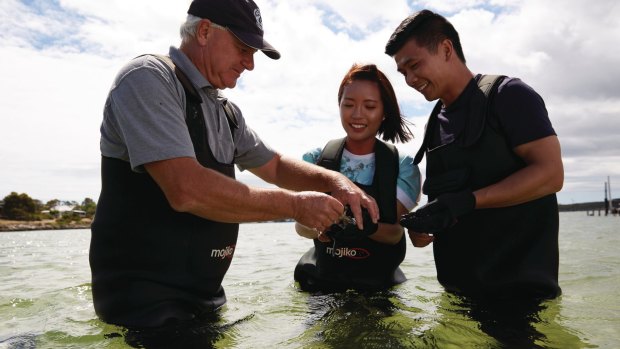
point(440, 213)
point(348, 229)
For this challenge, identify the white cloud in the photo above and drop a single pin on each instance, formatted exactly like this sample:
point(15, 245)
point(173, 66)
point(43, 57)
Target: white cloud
point(59, 59)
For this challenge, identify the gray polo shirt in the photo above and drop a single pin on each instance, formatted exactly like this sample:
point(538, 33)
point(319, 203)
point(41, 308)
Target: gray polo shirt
point(144, 117)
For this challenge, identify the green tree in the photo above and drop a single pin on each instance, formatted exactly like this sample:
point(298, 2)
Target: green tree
point(38, 206)
point(89, 206)
point(71, 203)
point(19, 207)
point(52, 203)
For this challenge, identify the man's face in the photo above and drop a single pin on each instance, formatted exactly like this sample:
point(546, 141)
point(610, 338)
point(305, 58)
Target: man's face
point(225, 57)
point(422, 69)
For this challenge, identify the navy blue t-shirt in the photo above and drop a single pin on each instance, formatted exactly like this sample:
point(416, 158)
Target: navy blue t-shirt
point(520, 112)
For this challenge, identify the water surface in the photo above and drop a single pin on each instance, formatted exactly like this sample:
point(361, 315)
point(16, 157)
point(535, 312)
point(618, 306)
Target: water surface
point(45, 298)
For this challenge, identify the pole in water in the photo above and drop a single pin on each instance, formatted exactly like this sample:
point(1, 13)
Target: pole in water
point(606, 201)
point(611, 198)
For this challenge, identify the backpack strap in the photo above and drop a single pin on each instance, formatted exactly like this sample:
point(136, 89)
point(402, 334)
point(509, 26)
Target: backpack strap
point(489, 83)
point(480, 107)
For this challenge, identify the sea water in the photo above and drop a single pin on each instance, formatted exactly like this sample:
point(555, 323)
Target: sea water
point(46, 302)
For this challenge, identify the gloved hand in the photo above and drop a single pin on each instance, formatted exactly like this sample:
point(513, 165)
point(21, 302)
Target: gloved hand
point(440, 213)
point(347, 228)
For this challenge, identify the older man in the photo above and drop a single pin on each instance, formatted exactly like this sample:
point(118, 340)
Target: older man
point(167, 219)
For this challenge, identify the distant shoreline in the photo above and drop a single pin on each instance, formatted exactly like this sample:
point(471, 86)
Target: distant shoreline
point(48, 224)
point(52, 224)
point(587, 206)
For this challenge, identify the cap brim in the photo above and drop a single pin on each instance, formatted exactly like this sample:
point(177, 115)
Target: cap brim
point(256, 42)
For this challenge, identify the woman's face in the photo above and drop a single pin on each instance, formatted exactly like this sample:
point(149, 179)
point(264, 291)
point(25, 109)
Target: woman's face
point(361, 114)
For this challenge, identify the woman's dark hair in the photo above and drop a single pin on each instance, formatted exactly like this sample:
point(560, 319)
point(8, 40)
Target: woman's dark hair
point(394, 128)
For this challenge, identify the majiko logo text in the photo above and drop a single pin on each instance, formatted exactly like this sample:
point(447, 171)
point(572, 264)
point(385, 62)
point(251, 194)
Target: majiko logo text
point(353, 253)
point(223, 253)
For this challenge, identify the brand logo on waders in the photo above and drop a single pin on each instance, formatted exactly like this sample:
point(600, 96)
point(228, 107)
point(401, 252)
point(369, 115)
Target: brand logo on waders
point(223, 253)
point(353, 253)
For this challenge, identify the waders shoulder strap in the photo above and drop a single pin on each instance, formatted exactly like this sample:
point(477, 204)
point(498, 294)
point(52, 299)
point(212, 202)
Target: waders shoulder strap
point(479, 108)
point(385, 179)
point(331, 154)
point(192, 94)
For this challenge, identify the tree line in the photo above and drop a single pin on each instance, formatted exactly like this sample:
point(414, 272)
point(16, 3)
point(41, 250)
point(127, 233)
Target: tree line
point(22, 207)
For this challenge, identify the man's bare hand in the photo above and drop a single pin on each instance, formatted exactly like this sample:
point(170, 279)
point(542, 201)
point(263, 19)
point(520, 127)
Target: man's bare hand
point(349, 194)
point(317, 210)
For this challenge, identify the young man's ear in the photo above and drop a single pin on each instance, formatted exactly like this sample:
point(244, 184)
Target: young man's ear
point(446, 49)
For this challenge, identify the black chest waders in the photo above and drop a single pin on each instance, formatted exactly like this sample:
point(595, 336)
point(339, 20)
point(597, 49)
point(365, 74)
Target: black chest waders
point(360, 263)
point(509, 252)
point(150, 264)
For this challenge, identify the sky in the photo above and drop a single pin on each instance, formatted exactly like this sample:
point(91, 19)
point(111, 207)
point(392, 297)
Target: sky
point(59, 58)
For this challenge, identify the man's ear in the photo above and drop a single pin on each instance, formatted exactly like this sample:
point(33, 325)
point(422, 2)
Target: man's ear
point(202, 31)
point(446, 49)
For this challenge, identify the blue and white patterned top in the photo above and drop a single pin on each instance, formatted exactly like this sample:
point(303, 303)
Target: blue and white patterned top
point(361, 169)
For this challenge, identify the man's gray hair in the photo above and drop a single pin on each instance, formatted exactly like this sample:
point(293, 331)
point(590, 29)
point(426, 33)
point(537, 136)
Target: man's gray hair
point(188, 29)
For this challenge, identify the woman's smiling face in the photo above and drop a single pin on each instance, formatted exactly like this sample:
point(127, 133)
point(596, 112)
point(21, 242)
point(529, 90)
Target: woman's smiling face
point(361, 114)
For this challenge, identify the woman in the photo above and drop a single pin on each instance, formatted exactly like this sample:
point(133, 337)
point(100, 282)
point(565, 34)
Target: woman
point(345, 257)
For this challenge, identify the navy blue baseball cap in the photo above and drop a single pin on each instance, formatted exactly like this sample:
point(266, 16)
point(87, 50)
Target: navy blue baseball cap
point(241, 17)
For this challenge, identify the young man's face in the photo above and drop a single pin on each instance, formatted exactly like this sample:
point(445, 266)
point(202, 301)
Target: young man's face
point(422, 69)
